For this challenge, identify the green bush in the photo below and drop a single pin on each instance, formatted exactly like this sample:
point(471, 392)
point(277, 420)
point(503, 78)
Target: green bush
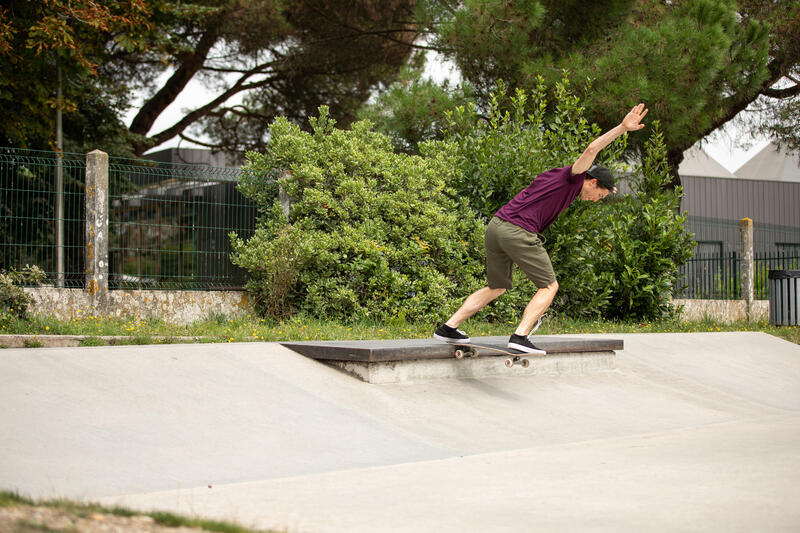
point(617, 258)
point(576, 243)
point(521, 136)
point(13, 300)
point(647, 239)
point(368, 234)
point(501, 154)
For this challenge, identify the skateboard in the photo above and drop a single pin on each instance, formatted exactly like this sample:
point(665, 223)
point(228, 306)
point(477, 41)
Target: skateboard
point(471, 350)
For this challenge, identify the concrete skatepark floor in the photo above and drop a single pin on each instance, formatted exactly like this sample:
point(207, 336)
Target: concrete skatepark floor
point(691, 432)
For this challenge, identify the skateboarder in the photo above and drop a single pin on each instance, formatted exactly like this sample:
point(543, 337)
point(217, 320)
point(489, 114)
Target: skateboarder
point(514, 236)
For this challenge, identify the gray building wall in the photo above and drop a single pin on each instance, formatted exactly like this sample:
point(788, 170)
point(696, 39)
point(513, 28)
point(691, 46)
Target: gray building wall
point(196, 156)
point(715, 206)
point(766, 202)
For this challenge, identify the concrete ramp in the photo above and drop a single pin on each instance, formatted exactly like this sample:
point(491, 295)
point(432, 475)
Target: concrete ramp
point(691, 432)
point(83, 422)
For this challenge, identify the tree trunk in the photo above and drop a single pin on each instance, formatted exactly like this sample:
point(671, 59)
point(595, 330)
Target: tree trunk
point(674, 158)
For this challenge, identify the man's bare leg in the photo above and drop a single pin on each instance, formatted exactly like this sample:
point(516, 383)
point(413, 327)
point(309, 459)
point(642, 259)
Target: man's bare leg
point(474, 303)
point(536, 308)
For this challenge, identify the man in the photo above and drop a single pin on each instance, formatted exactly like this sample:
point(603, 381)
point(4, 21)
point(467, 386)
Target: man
point(513, 236)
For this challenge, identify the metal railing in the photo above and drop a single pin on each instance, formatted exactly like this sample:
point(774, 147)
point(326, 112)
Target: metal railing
point(710, 276)
point(772, 261)
point(168, 223)
point(717, 277)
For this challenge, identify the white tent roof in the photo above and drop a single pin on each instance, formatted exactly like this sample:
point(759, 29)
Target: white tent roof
point(773, 164)
point(696, 162)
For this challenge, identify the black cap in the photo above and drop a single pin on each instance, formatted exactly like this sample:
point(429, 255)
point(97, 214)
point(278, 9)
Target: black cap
point(603, 176)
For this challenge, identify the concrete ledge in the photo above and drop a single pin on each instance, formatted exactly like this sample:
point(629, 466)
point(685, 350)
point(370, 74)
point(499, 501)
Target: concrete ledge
point(475, 367)
point(410, 360)
point(374, 351)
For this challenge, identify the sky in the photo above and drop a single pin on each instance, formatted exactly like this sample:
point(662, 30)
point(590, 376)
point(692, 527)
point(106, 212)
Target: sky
point(724, 145)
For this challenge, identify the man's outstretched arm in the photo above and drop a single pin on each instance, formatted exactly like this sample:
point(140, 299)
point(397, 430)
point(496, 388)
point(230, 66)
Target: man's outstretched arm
point(631, 122)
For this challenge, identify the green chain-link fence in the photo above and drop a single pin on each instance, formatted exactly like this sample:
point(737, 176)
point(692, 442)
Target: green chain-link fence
point(168, 223)
point(29, 221)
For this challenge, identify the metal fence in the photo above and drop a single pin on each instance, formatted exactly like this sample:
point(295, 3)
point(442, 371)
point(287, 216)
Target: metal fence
point(29, 213)
point(710, 276)
point(718, 276)
point(168, 223)
point(771, 261)
point(715, 270)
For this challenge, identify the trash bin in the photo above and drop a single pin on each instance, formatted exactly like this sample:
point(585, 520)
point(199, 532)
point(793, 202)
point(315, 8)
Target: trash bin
point(784, 297)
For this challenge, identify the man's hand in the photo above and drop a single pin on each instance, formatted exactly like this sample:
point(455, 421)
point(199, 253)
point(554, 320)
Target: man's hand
point(632, 119)
point(631, 122)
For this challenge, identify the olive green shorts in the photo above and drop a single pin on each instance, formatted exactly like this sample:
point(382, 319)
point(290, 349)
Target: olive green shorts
point(506, 244)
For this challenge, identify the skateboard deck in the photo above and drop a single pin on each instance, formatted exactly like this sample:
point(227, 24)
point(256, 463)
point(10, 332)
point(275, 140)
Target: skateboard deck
point(471, 350)
point(514, 358)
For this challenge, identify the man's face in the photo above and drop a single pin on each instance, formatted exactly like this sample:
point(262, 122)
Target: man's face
point(593, 191)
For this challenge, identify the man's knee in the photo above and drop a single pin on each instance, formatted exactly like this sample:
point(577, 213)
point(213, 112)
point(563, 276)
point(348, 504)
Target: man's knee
point(496, 293)
point(553, 287)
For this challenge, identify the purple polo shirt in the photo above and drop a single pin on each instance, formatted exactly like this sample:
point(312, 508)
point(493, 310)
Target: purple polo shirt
point(540, 203)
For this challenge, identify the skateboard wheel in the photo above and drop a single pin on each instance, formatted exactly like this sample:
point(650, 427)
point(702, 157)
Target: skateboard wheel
point(459, 354)
point(472, 353)
point(525, 363)
point(509, 363)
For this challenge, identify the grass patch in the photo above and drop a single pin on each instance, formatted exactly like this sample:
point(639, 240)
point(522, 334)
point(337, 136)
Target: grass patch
point(29, 527)
point(172, 520)
point(32, 343)
point(7, 499)
point(92, 341)
point(300, 328)
point(86, 510)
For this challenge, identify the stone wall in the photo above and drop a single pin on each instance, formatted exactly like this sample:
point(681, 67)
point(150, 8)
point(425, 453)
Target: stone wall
point(184, 307)
point(178, 307)
point(722, 310)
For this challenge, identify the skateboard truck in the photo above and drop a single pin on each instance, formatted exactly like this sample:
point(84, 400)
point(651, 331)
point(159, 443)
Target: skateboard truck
point(460, 353)
point(517, 360)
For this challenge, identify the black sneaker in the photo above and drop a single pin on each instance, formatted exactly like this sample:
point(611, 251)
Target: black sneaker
point(452, 335)
point(524, 344)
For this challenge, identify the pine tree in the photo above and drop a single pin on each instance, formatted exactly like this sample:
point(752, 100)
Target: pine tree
point(696, 63)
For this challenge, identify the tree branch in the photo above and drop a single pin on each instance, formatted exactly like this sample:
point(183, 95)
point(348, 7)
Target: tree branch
point(788, 92)
point(185, 137)
point(197, 114)
point(190, 64)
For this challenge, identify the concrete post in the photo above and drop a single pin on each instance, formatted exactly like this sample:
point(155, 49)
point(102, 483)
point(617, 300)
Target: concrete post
point(97, 230)
point(748, 265)
point(283, 198)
